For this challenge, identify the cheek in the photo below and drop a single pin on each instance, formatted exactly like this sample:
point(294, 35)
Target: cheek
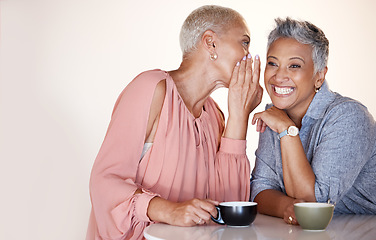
point(266, 84)
point(225, 68)
point(267, 75)
point(305, 80)
point(238, 53)
point(230, 61)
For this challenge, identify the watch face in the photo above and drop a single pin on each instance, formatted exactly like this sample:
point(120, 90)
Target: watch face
point(293, 131)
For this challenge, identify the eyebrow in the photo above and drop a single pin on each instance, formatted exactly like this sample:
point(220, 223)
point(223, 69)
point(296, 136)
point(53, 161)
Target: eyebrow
point(272, 57)
point(299, 58)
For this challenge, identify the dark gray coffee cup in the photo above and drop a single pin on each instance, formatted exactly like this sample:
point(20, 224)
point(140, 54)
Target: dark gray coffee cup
point(236, 213)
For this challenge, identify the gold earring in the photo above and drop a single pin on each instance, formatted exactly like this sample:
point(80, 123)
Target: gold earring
point(213, 56)
point(317, 89)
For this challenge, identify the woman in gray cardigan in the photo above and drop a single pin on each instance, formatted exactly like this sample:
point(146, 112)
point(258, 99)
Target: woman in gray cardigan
point(315, 145)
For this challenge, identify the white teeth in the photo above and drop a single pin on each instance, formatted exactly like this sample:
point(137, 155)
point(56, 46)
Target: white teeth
point(283, 90)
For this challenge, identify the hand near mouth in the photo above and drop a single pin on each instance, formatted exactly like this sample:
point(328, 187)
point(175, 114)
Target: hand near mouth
point(245, 94)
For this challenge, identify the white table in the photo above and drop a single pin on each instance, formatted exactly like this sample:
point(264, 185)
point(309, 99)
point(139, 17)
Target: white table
point(352, 227)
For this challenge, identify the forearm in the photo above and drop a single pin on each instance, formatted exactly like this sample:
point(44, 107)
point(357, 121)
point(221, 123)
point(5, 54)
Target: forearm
point(272, 202)
point(236, 127)
point(298, 176)
point(158, 210)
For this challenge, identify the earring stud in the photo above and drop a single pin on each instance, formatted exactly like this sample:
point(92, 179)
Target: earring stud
point(213, 56)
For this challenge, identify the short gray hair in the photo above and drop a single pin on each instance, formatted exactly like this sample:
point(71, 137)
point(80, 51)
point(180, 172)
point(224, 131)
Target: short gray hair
point(305, 33)
point(209, 17)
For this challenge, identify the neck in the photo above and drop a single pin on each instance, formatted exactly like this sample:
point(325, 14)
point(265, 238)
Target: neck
point(194, 84)
point(296, 119)
point(297, 114)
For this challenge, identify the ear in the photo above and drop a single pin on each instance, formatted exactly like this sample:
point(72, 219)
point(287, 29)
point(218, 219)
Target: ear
point(320, 77)
point(208, 40)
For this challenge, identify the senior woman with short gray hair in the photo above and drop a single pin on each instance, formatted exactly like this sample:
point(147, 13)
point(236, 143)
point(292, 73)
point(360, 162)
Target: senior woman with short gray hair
point(168, 155)
point(315, 145)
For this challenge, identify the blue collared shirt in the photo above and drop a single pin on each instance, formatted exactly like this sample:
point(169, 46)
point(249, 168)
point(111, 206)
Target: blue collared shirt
point(339, 139)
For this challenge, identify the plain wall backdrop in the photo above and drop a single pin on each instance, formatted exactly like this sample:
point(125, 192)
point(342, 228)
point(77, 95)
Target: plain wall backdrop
point(63, 63)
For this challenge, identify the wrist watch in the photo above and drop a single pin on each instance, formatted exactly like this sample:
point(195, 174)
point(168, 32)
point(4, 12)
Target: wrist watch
point(291, 131)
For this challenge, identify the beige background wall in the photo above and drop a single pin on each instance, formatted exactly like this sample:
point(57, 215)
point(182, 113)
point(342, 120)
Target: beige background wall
point(64, 62)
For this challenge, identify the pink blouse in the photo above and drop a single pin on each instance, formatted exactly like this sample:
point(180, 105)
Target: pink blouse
point(188, 159)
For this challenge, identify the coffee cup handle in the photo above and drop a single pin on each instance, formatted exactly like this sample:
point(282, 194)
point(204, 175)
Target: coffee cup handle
point(219, 219)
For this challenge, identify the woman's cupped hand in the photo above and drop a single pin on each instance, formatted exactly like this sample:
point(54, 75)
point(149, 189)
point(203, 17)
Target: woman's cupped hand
point(245, 92)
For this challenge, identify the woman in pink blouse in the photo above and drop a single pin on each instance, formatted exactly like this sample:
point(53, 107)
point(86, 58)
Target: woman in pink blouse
point(167, 155)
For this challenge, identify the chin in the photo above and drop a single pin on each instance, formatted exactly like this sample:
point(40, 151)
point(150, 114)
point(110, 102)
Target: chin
point(280, 105)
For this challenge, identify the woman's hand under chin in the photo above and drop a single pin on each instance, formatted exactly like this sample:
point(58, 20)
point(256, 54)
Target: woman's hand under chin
point(275, 118)
point(245, 94)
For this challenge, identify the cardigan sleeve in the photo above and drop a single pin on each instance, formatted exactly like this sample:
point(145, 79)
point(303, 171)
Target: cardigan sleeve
point(116, 209)
point(265, 174)
point(345, 146)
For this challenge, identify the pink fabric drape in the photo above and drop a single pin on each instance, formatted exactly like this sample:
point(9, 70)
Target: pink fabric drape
point(188, 159)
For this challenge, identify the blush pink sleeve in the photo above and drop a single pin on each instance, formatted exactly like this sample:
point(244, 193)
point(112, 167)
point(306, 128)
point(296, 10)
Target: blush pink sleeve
point(115, 208)
point(231, 179)
point(233, 171)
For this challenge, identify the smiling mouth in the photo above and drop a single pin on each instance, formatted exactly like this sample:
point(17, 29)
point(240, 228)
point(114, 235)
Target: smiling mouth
point(283, 90)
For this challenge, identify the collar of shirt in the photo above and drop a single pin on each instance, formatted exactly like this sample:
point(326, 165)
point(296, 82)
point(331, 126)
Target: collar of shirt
point(322, 99)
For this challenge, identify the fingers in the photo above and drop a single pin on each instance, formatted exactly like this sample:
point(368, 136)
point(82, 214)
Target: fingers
point(195, 212)
point(234, 76)
point(290, 220)
point(289, 215)
point(242, 68)
point(242, 73)
point(255, 118)
point(205, 209)
point(200, 221)
point(215, 203)
point(263, 127)
point(209, 206)
point(248, 70)
point(259, 125)
point(256, 71)
point(213, 211)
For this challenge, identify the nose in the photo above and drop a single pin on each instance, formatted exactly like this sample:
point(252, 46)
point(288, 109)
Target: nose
point(281, 75)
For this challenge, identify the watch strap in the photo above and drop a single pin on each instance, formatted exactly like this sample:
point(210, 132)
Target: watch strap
point(282, 134)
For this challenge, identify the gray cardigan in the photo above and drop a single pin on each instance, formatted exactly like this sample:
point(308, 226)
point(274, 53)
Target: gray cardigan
point(339, 138)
